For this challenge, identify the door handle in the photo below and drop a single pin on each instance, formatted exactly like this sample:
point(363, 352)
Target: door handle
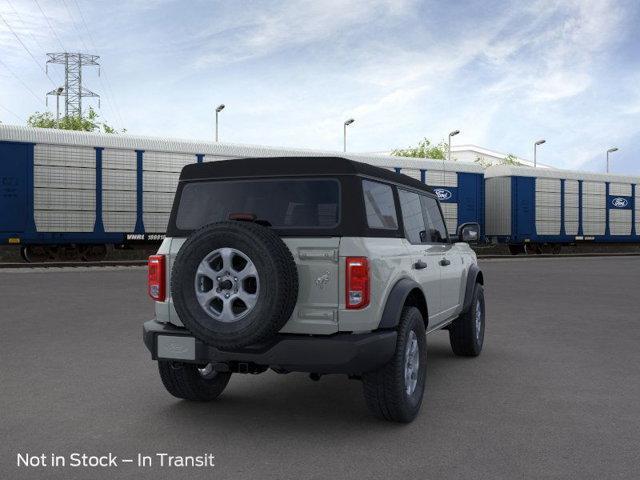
point(419, 265)
point(444, 262)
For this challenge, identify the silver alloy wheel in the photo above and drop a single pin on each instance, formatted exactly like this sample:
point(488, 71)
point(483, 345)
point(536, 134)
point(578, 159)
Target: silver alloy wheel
point(227, 284)
point(207, 372)
point(478, 319)
point(411, 363)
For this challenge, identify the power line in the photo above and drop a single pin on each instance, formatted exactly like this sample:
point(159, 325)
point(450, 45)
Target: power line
point(106, 85)
point(12, 113)
point(84, 23)
point(21, 81)
point(75, 27)
point(27, 49)
point(50, 26)
point(24, 25)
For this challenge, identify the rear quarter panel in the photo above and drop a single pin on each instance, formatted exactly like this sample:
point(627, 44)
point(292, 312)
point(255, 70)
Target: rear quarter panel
point(389, 261)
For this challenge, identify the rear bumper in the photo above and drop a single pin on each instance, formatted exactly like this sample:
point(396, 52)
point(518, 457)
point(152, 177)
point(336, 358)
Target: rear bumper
point(340, 353)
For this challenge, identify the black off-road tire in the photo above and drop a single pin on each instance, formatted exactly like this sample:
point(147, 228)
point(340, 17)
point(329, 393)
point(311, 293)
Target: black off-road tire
point(466, 334)
point(183, 380)
point(277, 290)
point(385, 390)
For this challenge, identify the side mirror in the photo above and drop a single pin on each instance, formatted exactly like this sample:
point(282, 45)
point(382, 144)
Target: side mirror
point(469, 233)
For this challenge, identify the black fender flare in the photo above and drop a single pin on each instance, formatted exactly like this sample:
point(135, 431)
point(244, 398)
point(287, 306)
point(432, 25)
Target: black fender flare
point(396, 301)
point(474, 276)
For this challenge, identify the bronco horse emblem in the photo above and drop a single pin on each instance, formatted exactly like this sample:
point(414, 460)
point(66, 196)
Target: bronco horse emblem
point(322, 280)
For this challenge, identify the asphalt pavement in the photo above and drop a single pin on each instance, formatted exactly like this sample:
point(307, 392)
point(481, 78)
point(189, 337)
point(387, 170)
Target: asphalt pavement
point(555, 393)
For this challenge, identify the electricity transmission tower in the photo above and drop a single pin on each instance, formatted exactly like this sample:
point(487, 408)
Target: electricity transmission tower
point(73, 90)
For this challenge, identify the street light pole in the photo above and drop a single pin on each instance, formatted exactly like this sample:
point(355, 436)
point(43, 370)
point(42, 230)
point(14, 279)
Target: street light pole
point(344, 137)
point(611, 150)
point(452, 134)
point(535, 152)
point(219, 108)
point(59, 90)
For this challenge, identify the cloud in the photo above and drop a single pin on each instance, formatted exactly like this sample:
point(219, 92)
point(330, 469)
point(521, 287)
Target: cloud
point(284, 25)
point(291, 72)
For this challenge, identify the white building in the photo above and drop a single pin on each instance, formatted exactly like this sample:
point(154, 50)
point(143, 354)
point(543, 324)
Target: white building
point(471, 153)
point(483, 156)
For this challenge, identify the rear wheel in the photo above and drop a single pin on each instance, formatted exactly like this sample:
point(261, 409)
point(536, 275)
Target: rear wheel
point(466, 333)
point(395, 391)
point(192, 382)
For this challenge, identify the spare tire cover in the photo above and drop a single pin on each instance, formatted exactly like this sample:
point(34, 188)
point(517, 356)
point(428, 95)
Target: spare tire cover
point(234, 284)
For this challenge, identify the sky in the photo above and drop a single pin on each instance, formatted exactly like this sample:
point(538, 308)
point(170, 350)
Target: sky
point(291, 72)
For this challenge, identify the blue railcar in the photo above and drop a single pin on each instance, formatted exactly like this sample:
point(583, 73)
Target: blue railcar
point(71, 194)
point(535, 209)
point(459, 186)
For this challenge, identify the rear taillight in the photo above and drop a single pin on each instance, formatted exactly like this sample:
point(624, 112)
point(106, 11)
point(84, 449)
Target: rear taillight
point(357, 282)
point(156, 277)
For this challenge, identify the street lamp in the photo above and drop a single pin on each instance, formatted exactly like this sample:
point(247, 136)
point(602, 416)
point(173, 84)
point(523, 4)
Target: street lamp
point(219, 108)
point(611, 150)
point(451, 134)
point(347, 122)
point(535, 151)
point(57, 92)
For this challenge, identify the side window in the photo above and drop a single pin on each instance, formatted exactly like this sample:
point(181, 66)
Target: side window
point(436, 229)
point(412, 217)
point(380, 206)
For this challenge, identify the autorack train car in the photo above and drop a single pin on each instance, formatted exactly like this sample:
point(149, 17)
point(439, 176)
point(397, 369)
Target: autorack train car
point(540, 210)
point(68, 195)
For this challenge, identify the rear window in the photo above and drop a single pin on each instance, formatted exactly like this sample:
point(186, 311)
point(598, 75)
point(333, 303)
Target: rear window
point(283, 203)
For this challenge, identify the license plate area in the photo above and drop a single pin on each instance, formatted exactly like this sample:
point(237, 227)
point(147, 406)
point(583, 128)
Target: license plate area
point(176, 347)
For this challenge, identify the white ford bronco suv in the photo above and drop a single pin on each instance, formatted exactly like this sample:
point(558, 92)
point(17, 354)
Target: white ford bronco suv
point(319, 265)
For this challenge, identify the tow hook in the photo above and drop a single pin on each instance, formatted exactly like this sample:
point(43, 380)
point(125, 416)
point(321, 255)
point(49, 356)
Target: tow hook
point(314, 376)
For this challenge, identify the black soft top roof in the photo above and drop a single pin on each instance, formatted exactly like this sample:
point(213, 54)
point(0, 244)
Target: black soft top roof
point(293, 166)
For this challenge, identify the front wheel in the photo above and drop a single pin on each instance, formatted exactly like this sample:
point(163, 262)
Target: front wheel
point(466, 333)
point(192, 382)
point(395, 391)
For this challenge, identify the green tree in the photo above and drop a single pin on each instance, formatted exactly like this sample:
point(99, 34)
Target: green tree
point(510, 159)
point(424, 149)
point(87, 123)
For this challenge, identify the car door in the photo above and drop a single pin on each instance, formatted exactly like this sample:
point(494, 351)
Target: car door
point(425, 256)
point(450, 262)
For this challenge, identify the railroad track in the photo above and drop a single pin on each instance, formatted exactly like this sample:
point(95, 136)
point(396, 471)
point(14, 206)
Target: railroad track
point(107, 263)
point(562, 255)
point(142, 263)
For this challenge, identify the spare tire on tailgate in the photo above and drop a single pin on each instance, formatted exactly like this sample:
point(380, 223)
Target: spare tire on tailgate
point(234, 284)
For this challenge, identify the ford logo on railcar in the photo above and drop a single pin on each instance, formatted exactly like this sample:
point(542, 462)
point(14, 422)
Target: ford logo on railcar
point(442, 193)
point(619, 202)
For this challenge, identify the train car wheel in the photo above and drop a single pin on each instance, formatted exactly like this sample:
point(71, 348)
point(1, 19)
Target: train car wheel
point(34, 253)
point(68, 253)
point(532, 249)
point(516, 249)
point(93, 253)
